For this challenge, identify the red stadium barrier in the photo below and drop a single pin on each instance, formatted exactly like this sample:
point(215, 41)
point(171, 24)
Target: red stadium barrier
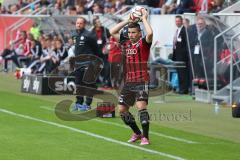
point(6, 22)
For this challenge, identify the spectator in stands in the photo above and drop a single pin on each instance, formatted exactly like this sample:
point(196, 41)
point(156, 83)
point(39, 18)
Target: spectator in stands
point(35, 31)
point(57, 10)
point(36, 50)
point(43, 41)
point(198, 5)
point(141, 2)
point(150, 3)
point(96, 9)
point(107, 10)
point(88, 5)
point(156, 6)
point(36, 53)
point(80, 9)
point(22, 3)
point(49, 59)
point(217, 6)
point(168, 7)
point(13, 8)
point(130, 2)
point(3, 9)
point(17, 48)
point(184, 6)
point(60, 3)
point(71, 11)
point(69, 42)
point(44, 3)
point(61, 50)
point(25, 57)
point(107, 3)
point(118, 4)
point(71, 50)
point(113, 10)
point(69, 3)
point(96, 6)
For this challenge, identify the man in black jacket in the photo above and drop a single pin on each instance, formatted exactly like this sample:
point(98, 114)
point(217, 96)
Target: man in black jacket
point(180, 53)
point(85, 50)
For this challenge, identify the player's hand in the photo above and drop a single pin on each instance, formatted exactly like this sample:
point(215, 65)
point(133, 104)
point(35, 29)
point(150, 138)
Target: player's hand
point(129, 19)
point(144, 14)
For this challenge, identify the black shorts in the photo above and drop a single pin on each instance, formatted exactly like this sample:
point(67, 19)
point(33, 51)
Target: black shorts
point(132, 92)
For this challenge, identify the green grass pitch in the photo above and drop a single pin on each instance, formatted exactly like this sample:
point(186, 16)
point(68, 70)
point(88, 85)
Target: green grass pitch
point(29, 129)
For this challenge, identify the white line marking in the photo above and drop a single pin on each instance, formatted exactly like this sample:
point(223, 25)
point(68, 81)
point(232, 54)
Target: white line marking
point(91, 134)
point(123, 126)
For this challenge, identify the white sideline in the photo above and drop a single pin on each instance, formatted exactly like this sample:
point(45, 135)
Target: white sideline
point(153, 133)
point(123, 126)
point(91, 134)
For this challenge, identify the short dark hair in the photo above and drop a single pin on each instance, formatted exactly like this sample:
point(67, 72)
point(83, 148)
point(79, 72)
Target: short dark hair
point(84, 20)
point(187, 20)
point(95, 20)
point(134, 25)
point(180, 17)
point(73, 8)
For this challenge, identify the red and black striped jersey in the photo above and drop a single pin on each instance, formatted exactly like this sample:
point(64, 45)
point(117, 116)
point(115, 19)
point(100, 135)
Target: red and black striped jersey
point(136, 58)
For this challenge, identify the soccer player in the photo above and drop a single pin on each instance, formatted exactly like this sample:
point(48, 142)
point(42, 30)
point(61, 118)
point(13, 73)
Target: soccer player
point(136, 51)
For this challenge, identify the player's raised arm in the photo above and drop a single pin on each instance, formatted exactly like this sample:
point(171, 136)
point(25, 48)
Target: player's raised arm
point(147, 26)
point(115, 30)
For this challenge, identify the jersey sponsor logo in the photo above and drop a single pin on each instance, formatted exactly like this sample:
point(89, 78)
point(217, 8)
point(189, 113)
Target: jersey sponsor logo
point(131, 51)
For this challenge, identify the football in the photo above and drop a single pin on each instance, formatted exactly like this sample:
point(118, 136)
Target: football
point(136, 13)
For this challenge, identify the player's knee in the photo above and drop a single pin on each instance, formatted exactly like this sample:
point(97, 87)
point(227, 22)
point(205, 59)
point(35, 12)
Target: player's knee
point(141, 105)
point(127, 118)
point(122, 109)
point(144, 117)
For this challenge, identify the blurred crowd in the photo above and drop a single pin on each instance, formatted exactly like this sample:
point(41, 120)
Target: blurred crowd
point(78, 7)
point(40, 52)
